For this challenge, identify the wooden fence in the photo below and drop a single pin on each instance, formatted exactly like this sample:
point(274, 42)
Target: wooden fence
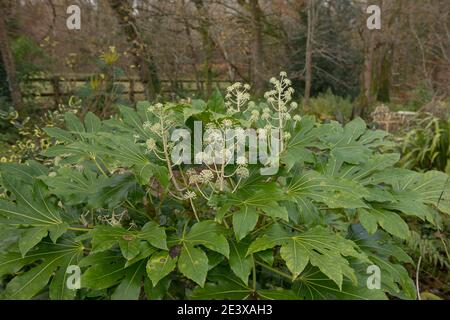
point(57, 88)
point(391, 120)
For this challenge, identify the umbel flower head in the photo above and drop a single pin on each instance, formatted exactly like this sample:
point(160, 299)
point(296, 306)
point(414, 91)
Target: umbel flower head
point(242, 172)
point(207, 175)
point(189, 195)
point(150, 144)
point(280, 103)
point(237, 97)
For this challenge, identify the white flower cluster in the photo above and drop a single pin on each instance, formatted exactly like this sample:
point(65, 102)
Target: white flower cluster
point(205, 176)
point(189, 195)
point(156, 128)
point(254, 115)
point(157, 109)
point(236, 98)
point(150, 144)
point(279, 99)
point(242, 172)
point(266, 115)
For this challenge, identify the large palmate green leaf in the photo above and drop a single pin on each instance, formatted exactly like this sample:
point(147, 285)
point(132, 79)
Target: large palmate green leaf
point(105, 237)
point(24, 172)
point(30, 238)
point(314, 285)
point(76, 143)
point(193, 261)
point(333, 192)
point(240, 263)
point(130, 286)
point(252, 204)
point(390, 258)
point(362, 173)
point(105, 270)
point(416, 194)
point(124, 152)
point(114, 190)
point(43, 262)
point(244, 221)
point(224, 286)
point(31, 207)
point(74, 186)
point(305, 136)
point(345, 144)
point(197, 107)
point(388, 220)
point(159, 266)
point(209, 234)
point(317, 246)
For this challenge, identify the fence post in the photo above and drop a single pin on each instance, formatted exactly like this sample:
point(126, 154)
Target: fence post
point(56, 90)
point(131, 90)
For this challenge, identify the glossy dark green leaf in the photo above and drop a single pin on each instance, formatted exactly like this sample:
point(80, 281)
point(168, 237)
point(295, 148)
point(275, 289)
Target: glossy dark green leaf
point(193, 263)
point(159, 266)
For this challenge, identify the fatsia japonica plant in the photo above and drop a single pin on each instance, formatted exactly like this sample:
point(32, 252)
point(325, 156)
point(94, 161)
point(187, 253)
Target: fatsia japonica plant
point(269, 205)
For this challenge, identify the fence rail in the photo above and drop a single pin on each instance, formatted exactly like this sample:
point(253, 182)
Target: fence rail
point(58, 87)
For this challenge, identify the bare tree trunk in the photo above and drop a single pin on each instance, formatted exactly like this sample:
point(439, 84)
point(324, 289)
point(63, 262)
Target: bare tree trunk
point(368, 68)
point(258, 48)
point(208, 44)
point(309, 50)
point(140, 51)
point(8, 62)
point(191, 47)
point(233, 69)
point(365, 98)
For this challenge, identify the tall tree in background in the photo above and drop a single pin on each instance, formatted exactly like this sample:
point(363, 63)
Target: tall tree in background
point(8, 60)
point(140, 50)
point(334, 60)
point(385, 50)
point(257, 48)
point(369, 39)
point(207, 43)
point(312, 19)
point(192, 51)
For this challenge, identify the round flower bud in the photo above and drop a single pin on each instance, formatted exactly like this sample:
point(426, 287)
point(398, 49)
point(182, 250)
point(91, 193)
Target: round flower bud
point(242, 172)
point(207, 175)
point(151, 144)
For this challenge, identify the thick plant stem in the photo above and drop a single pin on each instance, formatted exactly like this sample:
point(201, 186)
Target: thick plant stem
point(80, 229)
point(194, 210)
point(254, 274)
point(166, 156)
point(278, 272)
